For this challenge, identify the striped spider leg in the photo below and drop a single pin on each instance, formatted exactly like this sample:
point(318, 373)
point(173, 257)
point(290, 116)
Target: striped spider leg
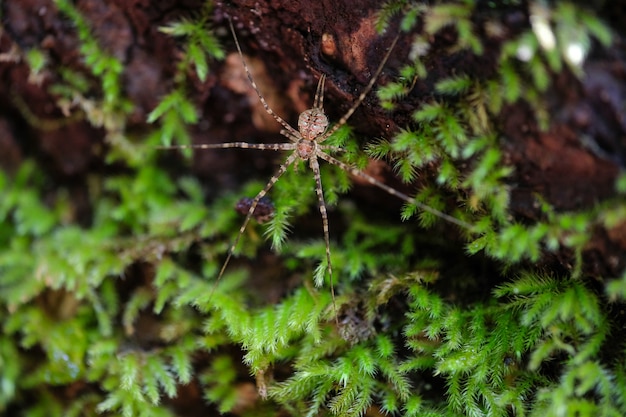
point(306, 144)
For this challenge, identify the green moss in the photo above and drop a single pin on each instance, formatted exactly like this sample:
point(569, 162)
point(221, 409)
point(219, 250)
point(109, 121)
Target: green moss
point(125, 312)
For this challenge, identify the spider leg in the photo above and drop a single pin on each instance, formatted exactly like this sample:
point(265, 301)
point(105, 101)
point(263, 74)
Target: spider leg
point(367, 89)
point(240, 145)
point(290, 160)
point(357, 173)
point(291, 136)
point(332, 148)
point(256, 88)
point(315, 166)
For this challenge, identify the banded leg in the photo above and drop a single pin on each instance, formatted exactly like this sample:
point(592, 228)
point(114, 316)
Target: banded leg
point(315, 167)
point(392, 191)
point(283, 168)
point(331, 148)
point(359, 100)
point(241, 145)
point(279, 119)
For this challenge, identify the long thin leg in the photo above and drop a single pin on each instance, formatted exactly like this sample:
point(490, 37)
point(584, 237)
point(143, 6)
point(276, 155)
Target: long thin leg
point(256, 88)
point(315, 166)
point(240, 145)
point(290, 136)
point(290, 160)
point(367, 89)
point(394, 192)
point(332, 148)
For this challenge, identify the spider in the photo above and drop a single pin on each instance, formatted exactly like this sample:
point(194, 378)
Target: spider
point(307, 144)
